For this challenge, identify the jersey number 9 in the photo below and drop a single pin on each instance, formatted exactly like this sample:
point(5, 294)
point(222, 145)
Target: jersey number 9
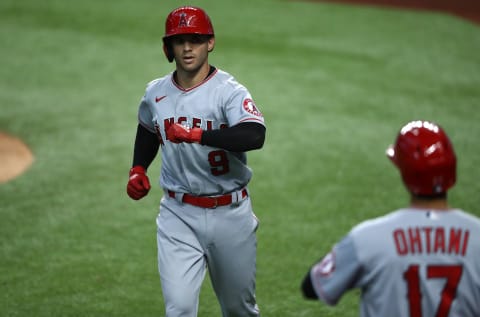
point(219, 162)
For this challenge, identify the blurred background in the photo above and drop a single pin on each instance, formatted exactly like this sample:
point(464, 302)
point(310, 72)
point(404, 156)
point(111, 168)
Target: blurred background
point(334, 80)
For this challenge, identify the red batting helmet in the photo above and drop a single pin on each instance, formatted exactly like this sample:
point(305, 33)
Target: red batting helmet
point(185, 20)
point(425, 157)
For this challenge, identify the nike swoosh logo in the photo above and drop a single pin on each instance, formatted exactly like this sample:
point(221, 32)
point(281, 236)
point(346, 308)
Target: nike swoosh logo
point(157, 99)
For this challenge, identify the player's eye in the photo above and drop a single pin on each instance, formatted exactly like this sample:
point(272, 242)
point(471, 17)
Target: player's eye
point(178, 40)
point(197, 39)
point(190, 38)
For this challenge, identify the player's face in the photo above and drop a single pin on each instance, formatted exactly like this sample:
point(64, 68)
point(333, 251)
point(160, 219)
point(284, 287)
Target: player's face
point(191, 51)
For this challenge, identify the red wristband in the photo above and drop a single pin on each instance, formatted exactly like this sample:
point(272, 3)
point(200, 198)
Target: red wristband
point(138, 169)
point(196, 135)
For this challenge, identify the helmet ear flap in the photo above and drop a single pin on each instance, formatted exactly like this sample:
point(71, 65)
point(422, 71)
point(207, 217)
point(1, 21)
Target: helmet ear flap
point(390, 152)
point(168, 50)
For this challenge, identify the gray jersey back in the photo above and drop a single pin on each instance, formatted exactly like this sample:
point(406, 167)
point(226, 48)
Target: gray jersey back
point(218, 102)
point(408, 263)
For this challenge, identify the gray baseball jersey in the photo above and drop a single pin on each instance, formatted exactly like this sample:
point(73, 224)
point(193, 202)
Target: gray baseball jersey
point(411, 262)
point(220, 102)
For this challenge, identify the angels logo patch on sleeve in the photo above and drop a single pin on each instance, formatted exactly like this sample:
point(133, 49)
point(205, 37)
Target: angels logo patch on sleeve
point(250, 107)
point(326, 266)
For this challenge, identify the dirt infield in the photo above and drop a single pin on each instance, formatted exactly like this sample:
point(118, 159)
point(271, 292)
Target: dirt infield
point(15, 157)
point(467, 9)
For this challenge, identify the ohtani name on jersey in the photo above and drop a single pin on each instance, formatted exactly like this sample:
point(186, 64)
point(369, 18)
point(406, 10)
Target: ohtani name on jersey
point(431, 240)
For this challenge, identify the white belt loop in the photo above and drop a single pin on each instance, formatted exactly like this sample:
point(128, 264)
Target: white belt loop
point(237, 197)
point(178, 196)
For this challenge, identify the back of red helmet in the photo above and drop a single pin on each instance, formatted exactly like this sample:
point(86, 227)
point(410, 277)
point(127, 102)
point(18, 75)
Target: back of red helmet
point(425, 157)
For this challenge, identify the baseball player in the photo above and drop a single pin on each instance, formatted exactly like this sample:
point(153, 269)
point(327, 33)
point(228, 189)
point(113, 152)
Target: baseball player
point(203, 121)
point(419, 261)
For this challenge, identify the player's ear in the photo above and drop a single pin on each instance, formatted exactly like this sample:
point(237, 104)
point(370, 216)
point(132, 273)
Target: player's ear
point(211, 43)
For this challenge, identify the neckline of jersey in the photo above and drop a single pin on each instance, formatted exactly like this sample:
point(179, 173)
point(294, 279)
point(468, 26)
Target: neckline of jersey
point(211, 73)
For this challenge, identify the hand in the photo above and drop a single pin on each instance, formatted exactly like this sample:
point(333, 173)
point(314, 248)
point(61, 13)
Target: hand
point(138, 183)
point(178, 133)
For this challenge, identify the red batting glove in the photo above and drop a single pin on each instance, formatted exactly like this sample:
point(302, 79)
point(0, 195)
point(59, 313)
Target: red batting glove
point(138, 183)
point(178, 133)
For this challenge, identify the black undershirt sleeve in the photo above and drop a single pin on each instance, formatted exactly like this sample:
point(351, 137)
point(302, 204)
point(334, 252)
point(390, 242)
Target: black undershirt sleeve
point(307, 287)
point(239, 138)
point(146, 147)
point(242, 137)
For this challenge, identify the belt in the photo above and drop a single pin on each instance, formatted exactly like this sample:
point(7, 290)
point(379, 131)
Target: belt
point(211, 201)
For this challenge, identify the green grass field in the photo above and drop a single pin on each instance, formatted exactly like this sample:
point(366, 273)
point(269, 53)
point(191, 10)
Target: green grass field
point(334, 82)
